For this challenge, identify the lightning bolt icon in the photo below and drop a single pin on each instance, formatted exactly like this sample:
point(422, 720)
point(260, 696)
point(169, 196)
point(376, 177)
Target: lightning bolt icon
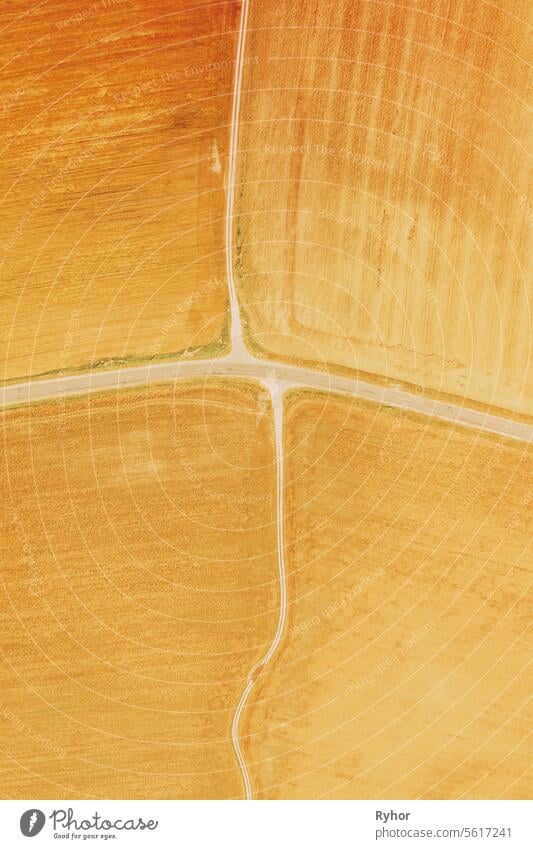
point(33, 820)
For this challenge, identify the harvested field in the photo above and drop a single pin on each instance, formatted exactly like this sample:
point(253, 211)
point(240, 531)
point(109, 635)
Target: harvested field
point(114, 150)
point(404, 669)
point(139, 586)
point(383, 207)
point(279, 569)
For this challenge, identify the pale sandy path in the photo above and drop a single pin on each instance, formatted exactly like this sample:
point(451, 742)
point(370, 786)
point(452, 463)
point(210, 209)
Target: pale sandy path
point(287, 376)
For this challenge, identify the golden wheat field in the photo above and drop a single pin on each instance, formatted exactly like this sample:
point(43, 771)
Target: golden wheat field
point(115, 121)
point(384, 219)
point(267, 400)
point(404, 672)
point(138, 589)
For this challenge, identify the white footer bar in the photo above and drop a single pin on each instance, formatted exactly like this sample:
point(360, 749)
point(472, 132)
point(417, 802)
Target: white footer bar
point(268, 825)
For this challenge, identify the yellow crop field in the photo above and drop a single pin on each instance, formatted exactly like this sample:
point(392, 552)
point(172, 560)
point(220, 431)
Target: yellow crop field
point(384, 207)
point(139, 587)
point(404, 671)
point(114, 149)
point(266, 404)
